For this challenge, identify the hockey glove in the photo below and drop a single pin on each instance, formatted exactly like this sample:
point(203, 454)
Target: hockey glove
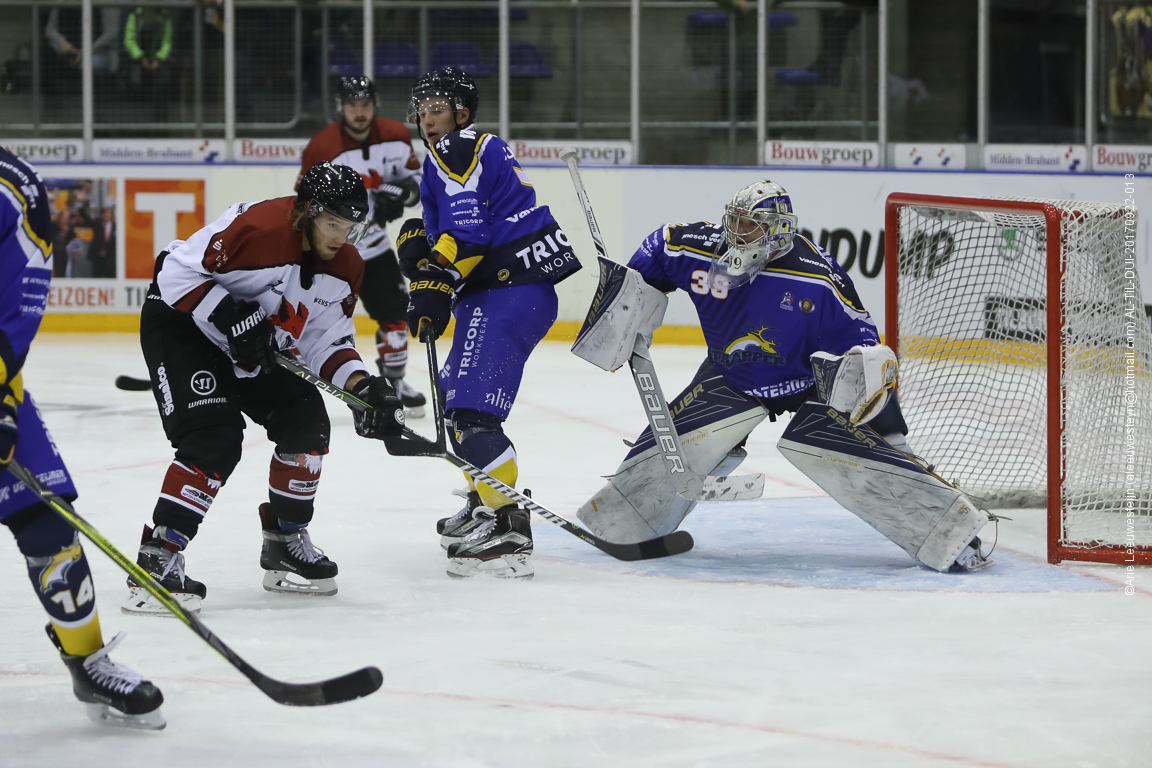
point(386, 416)
point(392, 198)
point(430, 297)
point(412, 248)
point(250, 335)
point(9, 434)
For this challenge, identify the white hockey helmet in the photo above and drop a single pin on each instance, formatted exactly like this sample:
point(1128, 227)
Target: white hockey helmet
point(758, 225)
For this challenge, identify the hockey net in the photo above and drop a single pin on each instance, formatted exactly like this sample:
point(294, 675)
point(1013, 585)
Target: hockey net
point(975, 290)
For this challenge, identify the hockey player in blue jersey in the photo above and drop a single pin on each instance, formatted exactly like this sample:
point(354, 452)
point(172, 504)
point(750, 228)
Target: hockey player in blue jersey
point(784, 327)
point(56, 563)
point(491, 257)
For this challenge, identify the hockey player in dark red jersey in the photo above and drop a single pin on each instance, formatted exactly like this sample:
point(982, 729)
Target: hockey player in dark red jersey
point(380, 150)
point(274, 275)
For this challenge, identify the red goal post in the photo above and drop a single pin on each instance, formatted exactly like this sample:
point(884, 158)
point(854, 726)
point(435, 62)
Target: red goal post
point(980, 294)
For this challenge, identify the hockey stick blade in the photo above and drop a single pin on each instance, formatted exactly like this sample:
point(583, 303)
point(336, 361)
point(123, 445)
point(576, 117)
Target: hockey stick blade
point(131, 384)
point(411, 443)
point(345, 688)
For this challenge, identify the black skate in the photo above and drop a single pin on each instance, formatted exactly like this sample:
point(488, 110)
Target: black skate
point(455, 528)
point(161, 556)
point(500, 546)
point(112, 693)
point(972, 558)
point(412, 400)
point(293, 564)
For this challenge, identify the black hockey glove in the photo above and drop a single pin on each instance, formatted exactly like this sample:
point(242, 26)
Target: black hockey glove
point(250, 335)
point(9, 434)
point(412, 248)
point(391, 198)
point(430, 297)
point(386, 417)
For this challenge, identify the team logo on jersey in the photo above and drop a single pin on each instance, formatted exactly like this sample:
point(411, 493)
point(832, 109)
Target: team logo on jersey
point(56, 570)
point(786, 302)
point(502, 275)
point(754, 347)
point(291, 320)
point(203, 383)
point(807, 305)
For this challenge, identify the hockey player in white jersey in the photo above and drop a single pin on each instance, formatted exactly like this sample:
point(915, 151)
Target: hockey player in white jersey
point(273, 275)
point(786, 332)
point(380, 150)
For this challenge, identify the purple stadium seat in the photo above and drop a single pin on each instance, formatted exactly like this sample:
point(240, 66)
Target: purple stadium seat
point(524, 60)
point(397, 60)
point(720, 18)
point(797, 77)
point(344, 60)
point(459, 53)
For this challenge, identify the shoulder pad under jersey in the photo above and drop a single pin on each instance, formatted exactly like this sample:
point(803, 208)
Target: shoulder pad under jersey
point(699, 237)
point(458, 153)
point(807, 259)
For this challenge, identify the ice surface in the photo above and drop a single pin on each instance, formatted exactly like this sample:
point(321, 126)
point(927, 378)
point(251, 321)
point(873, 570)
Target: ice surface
point(793, 635)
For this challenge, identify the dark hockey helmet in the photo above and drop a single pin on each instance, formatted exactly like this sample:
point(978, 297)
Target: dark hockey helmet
point(354, 89)
point(340, 191)
point(449, 83)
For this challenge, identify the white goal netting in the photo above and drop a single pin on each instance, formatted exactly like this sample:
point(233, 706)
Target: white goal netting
point(973, 348)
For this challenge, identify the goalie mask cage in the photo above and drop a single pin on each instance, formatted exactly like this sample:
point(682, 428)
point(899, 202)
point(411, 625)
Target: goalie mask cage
point(1025, 357)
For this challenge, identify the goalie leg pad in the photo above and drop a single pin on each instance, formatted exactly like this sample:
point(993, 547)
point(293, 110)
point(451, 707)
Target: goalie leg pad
point(639, 502)
point(925, 516)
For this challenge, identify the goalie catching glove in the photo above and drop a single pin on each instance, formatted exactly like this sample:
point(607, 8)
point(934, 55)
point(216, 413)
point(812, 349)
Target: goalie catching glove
point(250, 335)
point(386, 416)
point(859, 383)
point(430, 297)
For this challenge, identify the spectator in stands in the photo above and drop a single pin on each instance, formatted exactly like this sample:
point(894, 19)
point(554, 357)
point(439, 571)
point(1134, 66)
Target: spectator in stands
point(102, 251)
point(148, 40)
point(63, 32)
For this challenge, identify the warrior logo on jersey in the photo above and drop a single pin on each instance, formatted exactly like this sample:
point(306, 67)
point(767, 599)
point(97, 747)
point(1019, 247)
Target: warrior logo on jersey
point(291, 320)
point(786, 302)
point(752, 347)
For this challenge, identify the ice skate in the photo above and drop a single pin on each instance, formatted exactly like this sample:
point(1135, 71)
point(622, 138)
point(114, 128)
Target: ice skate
point(500, 546)
point(412, 400)
point(112, 693)
point(455, 528)
point(161, 556)
point(972, 559)
point(292, 563)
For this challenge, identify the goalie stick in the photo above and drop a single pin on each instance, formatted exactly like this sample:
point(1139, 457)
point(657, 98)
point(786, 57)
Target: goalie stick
point(413, 444)
point(344, 688)
point(688, 484)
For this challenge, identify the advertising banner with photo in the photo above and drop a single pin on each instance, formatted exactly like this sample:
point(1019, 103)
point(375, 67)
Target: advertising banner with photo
point(108, 225)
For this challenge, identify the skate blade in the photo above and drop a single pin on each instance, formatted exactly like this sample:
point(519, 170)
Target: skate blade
point(416, 412)
point(978, 566)
point(141, 603)
point(447, 541)
point(102, 714)
point(288, 583)
point(503, 567)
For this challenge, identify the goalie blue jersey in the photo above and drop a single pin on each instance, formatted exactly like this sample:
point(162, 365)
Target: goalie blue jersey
point(481, 214)
point(760, 335)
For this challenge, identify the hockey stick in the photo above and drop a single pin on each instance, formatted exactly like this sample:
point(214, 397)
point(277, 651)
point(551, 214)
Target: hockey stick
point(688, 484)
point(344, 688)
point(413, 444)
point(132, 384)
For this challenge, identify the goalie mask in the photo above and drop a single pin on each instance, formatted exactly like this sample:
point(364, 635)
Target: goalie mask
point(758, 226)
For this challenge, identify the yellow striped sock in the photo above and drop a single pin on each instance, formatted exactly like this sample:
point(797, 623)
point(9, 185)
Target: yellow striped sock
point(505, 473)
point(80, 638)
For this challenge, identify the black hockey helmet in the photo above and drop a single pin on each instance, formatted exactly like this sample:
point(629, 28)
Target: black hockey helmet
point(355, 88)
point(340, 191)
point(451, 83)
